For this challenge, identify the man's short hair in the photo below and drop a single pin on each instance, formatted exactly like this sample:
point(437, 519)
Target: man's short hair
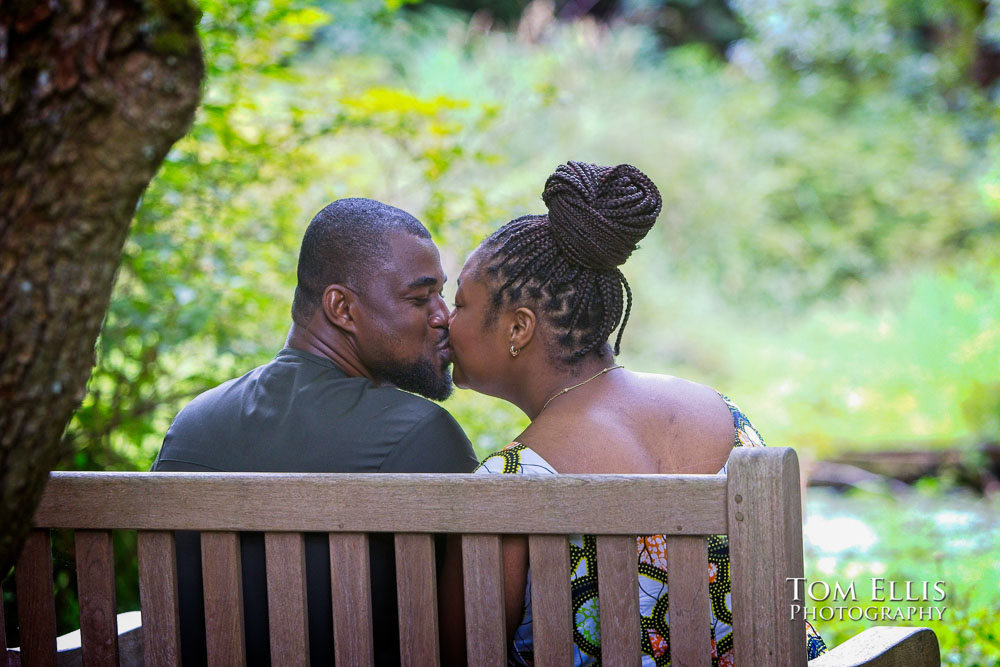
point(345, 244)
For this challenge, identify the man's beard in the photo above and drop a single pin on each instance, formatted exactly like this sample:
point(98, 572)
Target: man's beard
point(419, 377)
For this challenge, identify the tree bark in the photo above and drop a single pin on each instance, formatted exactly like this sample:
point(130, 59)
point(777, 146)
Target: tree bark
point(92, 95)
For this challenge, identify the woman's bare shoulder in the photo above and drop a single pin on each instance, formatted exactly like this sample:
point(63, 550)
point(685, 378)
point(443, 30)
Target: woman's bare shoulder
point(641, 422)
point(693, 398)
point(693, 416)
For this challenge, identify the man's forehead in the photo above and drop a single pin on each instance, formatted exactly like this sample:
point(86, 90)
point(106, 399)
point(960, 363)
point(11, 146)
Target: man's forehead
point(415, 261)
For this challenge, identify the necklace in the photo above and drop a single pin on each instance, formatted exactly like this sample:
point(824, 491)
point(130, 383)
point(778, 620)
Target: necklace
point(580, 384)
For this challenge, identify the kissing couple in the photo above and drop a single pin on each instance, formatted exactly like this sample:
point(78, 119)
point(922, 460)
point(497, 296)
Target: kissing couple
point(372, 339)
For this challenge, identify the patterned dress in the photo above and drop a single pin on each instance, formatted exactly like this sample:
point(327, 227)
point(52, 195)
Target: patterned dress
point(651, 550)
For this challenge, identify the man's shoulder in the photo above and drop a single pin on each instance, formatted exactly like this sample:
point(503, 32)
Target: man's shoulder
point(198, 434)
point(217, 396)
point(232, 393)
point(433, 441)
point(212, 395)
point(402, 415)
point(417, 407)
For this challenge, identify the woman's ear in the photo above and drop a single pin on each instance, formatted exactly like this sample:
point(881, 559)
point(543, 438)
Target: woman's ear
point(338, 305)
point(522, 327)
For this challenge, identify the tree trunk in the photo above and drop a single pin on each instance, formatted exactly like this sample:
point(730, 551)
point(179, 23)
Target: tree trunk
point(92, 95)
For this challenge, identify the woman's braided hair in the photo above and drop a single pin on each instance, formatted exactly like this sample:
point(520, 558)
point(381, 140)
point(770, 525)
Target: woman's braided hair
point(566, 263)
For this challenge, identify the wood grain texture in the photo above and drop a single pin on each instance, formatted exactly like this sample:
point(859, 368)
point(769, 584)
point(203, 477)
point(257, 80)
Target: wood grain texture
point(687, 581)
point(758, 506)
point(600, 504)
point(551, 602)
point(765, 550)
point(286, 598)
point(95, 571)
point(223, 585)
point(885, 646)
point(352, 601)
point(416, 591)
point(36, 604)
point(158, 597)
point(618, 589)
point(482, 575)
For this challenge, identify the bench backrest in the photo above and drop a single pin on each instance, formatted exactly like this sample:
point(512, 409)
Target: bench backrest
point(757, 505)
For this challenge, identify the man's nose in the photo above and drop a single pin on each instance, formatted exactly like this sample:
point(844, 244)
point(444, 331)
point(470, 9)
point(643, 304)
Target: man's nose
point(440, 316)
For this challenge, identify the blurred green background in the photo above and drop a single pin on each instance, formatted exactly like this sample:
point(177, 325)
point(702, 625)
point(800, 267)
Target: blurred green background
point(827, 253)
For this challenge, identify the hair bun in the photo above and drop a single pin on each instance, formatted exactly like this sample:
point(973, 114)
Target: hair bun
point(597, 214)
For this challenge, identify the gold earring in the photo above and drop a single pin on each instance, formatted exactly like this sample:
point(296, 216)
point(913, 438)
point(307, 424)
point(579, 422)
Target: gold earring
point(514, 352)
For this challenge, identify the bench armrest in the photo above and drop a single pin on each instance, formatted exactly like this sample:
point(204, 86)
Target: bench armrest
point(885, 646)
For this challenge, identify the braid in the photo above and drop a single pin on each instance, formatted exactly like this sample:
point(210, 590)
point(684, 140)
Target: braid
point(582, 304)
point(628, 310)
point(611, 292)
point(567, 261)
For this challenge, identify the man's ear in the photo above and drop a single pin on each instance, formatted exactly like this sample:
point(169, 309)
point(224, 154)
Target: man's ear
point(339, 306)
point(522, 327)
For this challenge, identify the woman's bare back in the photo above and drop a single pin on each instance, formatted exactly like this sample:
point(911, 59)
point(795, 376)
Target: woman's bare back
point(634, 423)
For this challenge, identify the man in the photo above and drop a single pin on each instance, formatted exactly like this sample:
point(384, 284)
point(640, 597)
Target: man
point(368, 321)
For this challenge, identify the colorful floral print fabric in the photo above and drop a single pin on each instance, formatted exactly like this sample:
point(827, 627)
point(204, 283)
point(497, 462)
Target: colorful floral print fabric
point(654, 609)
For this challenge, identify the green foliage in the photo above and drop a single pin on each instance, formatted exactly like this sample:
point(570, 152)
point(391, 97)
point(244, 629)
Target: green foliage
point(922, 48)
point(491, 423)
point(675, 22)
point(932, 534)
point(912, 364)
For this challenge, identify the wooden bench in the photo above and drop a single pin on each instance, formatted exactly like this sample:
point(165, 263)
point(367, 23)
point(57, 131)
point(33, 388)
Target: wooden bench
point(758, 506)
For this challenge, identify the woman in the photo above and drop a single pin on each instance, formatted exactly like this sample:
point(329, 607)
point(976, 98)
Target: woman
point(535, 308)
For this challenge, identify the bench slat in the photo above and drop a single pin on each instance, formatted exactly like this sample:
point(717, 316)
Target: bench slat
point(286, 598)
point(647, 505)
point(352, 602)
point(95, 571)
point(687, 580)
point(482, 575)
point(416, 589)
point(551, 603)
point(618, 590)
point(765, 547)
point(36, 601)
point(223, 583)
point(158, 597)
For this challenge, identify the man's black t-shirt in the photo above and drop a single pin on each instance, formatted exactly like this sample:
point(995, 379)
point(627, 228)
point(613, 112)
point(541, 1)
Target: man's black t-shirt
point(300, 413)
